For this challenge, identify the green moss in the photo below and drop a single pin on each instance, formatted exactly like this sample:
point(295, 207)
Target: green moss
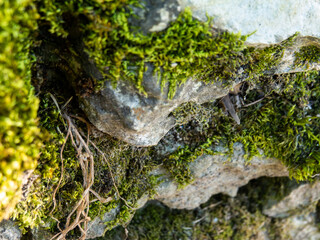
point(307, 55)
point(187, 48)
point(221, 217)
point(130, 166)
point(285, 125)
point(19, 135)
point(229, 219)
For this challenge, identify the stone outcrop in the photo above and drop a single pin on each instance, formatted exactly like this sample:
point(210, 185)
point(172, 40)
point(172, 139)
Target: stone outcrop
point(216, 174)
point(9, 231)
point(143, 120)
point(269, 21)
point(212, 175)
point(302, 196)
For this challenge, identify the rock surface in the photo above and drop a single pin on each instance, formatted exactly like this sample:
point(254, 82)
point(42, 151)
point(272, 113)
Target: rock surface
point(156, 15)
point(96, 228)
point(301, 226)
point(299, 198)
point(143, 120)
point(216, 174)
point(9, 231)
point(269, 21)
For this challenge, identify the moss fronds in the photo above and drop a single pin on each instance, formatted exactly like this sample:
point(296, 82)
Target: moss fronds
point(285, 124)
point(224, 219)
point(187, 48)
point(307, 55)
point(19, 135)
point(130, 167)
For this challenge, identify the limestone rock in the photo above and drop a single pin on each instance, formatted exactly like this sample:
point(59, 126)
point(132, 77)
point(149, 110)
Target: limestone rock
point(215, 174)
point(156, 15)
point(299, 198)
point(287, 64)
point(41, 234)
point(96, 228)
point(301, 226)
point(269, 21)
point(143, 120)
point(9, 231)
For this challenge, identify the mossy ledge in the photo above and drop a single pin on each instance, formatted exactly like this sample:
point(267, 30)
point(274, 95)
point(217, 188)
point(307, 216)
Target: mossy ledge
point(290, 101)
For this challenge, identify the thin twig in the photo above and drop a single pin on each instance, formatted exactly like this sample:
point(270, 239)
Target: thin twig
point(255, 102)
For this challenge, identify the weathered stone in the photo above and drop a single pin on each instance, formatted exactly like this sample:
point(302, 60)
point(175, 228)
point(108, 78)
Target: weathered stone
point(143, 120)
point(301, 226)
point(287, 63)
point(269, 21)
point(9, 231)
point(96, 228)
point(41, 234)
point(216, 174)
point(299, 198)
point(156, 15)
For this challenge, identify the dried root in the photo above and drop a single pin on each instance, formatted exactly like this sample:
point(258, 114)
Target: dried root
point(78, 217)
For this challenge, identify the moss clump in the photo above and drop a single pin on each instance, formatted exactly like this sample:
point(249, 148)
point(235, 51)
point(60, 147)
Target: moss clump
point(19, 135)
point(34, 210)
point(129, 165)
point(285, 124)
point(187, 48)
point(307, 55)
point(224, 219)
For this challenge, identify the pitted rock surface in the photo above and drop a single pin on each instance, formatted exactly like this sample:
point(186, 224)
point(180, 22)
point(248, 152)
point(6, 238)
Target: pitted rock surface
point(218, 174)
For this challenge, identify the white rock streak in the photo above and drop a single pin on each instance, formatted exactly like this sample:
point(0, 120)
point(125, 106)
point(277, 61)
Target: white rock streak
point(273, 20)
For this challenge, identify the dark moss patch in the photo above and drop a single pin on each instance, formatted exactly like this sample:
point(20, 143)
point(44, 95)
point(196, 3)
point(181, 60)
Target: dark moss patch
point(307, 55)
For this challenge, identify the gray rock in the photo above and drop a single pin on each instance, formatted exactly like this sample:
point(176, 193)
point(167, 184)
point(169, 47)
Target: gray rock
point(96, 228)
point(143, 120)
point(216, 174)
point(9, 231)
point(301, 226)
point(287, 64)
point(212, 175)
point(41, 234)
point(299, 198)
point(269, 21)
point(156, 15)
